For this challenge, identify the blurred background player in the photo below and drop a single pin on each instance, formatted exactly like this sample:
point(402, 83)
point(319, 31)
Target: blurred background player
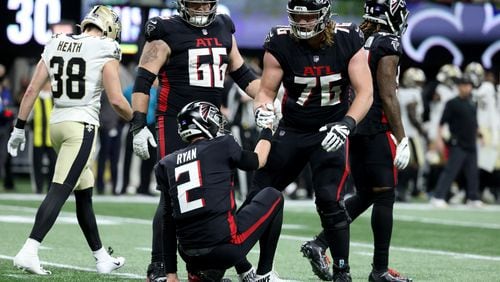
point(78, 75)
point(379, 146)
point(461, 117)
point(412, 108)
point(190, 53)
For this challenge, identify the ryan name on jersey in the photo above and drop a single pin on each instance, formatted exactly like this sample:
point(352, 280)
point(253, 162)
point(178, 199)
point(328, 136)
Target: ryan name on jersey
point(65, 46)
point(186, 156)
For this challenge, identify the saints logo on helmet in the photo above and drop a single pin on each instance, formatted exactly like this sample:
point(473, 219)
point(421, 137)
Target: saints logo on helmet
point(200, 119)
point(197, 12)
point(390, 13)
point(105, 19)
point(308, 18)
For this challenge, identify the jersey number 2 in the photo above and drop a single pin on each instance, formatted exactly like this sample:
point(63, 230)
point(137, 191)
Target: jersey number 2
point(194, 175)
point(73, 75)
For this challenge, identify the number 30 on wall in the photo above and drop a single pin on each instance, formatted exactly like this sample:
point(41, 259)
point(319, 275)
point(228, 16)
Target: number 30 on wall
point(32, 20)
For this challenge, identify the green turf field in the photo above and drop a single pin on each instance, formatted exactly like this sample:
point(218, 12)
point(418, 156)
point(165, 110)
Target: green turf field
point(456, 244)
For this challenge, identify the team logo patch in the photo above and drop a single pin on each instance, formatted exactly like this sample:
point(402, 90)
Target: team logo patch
point(315, 58)
point(395, 44)
point(89, 127)
point(204, 31)
point(150, 27)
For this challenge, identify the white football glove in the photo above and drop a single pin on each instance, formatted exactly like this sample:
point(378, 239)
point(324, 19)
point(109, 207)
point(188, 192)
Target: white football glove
point(264, 116)
point(17, 140)
point(140, 143)
point(335, 137)
point(402, 157)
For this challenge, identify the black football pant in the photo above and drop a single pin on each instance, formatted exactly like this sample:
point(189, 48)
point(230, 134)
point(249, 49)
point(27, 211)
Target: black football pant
point(260, 220)
point(372, 167)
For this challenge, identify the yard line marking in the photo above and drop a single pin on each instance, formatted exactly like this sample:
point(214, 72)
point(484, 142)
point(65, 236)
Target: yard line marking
point(407, 249)
point(67, 266)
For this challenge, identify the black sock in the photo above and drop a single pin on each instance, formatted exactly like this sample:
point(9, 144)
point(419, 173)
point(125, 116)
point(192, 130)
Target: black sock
point(269, 240)
point(157, 242)
point(49, 210)
point(86, 218)
point(243, 266)
point(382, 228)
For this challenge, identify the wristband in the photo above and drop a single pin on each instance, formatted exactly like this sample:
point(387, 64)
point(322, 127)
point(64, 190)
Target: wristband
point(138, 121)
point(350, 123)
point(266, 134)
point(20, 123)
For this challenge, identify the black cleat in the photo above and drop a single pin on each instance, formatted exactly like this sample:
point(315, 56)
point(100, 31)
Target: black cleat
point(389, 275)
point(156, 272)
point(341, 274)
point(319, 261)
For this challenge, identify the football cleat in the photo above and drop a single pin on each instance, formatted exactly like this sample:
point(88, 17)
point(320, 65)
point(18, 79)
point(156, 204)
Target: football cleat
point(341, 274)
point(248, 276)
point(29, 262)
point(320, 262)
point(389, 275)
point(271, 276)
point(110, 264)
point(156, 272)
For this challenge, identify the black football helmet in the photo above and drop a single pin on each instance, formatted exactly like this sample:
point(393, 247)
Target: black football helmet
point(296, 9)
point(391, 13)
point(197, 17)
point(200, 118)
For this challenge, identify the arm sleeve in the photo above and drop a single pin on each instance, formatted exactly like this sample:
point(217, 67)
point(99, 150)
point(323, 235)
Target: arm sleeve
point(248, 161)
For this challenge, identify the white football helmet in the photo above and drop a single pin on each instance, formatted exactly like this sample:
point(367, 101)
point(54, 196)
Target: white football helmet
point(413, 77)
point(475, 72)
point(448, 74)
point(105, 19)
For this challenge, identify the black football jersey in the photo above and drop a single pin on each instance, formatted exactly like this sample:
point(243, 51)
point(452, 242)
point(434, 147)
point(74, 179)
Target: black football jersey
point(199, 179)
point(315, 80)
point(378, 45)
point(197, 64)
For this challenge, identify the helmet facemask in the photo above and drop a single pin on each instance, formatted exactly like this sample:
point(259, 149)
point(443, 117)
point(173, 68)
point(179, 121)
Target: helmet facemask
point(195, 16)
point(308, 19)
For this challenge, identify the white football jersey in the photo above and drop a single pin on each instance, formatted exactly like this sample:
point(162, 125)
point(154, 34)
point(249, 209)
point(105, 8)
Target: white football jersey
point(408, 96)
point(75, 64)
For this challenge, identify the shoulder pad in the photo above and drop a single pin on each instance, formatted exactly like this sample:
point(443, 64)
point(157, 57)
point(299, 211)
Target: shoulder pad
point(390, 43)
point(154, 29)
point(227, 22)
point(279, 30)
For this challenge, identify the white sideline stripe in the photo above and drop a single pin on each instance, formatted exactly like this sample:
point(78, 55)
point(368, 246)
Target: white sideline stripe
point(406, 249)
point(289, 203)
point(67, 266)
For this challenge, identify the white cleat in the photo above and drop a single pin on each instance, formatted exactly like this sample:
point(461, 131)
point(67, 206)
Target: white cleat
point(438, 203)
point(268, 277)
point(248, 276)
point(108, 265)
point(29, 262)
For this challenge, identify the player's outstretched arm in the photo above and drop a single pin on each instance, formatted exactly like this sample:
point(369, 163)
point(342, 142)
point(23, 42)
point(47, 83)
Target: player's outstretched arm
point(37, 81)
point(241, 73)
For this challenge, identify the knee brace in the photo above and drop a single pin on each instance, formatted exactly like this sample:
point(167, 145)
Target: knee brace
point(333, 215)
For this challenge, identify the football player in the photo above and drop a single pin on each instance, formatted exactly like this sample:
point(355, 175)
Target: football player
point(79, 68)
point(199, 197)
point(317, 60)
point(190, 53)
point(379, 146)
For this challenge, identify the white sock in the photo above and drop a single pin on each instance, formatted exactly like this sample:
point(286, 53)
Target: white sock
point(31, 245)
point(101, 254)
